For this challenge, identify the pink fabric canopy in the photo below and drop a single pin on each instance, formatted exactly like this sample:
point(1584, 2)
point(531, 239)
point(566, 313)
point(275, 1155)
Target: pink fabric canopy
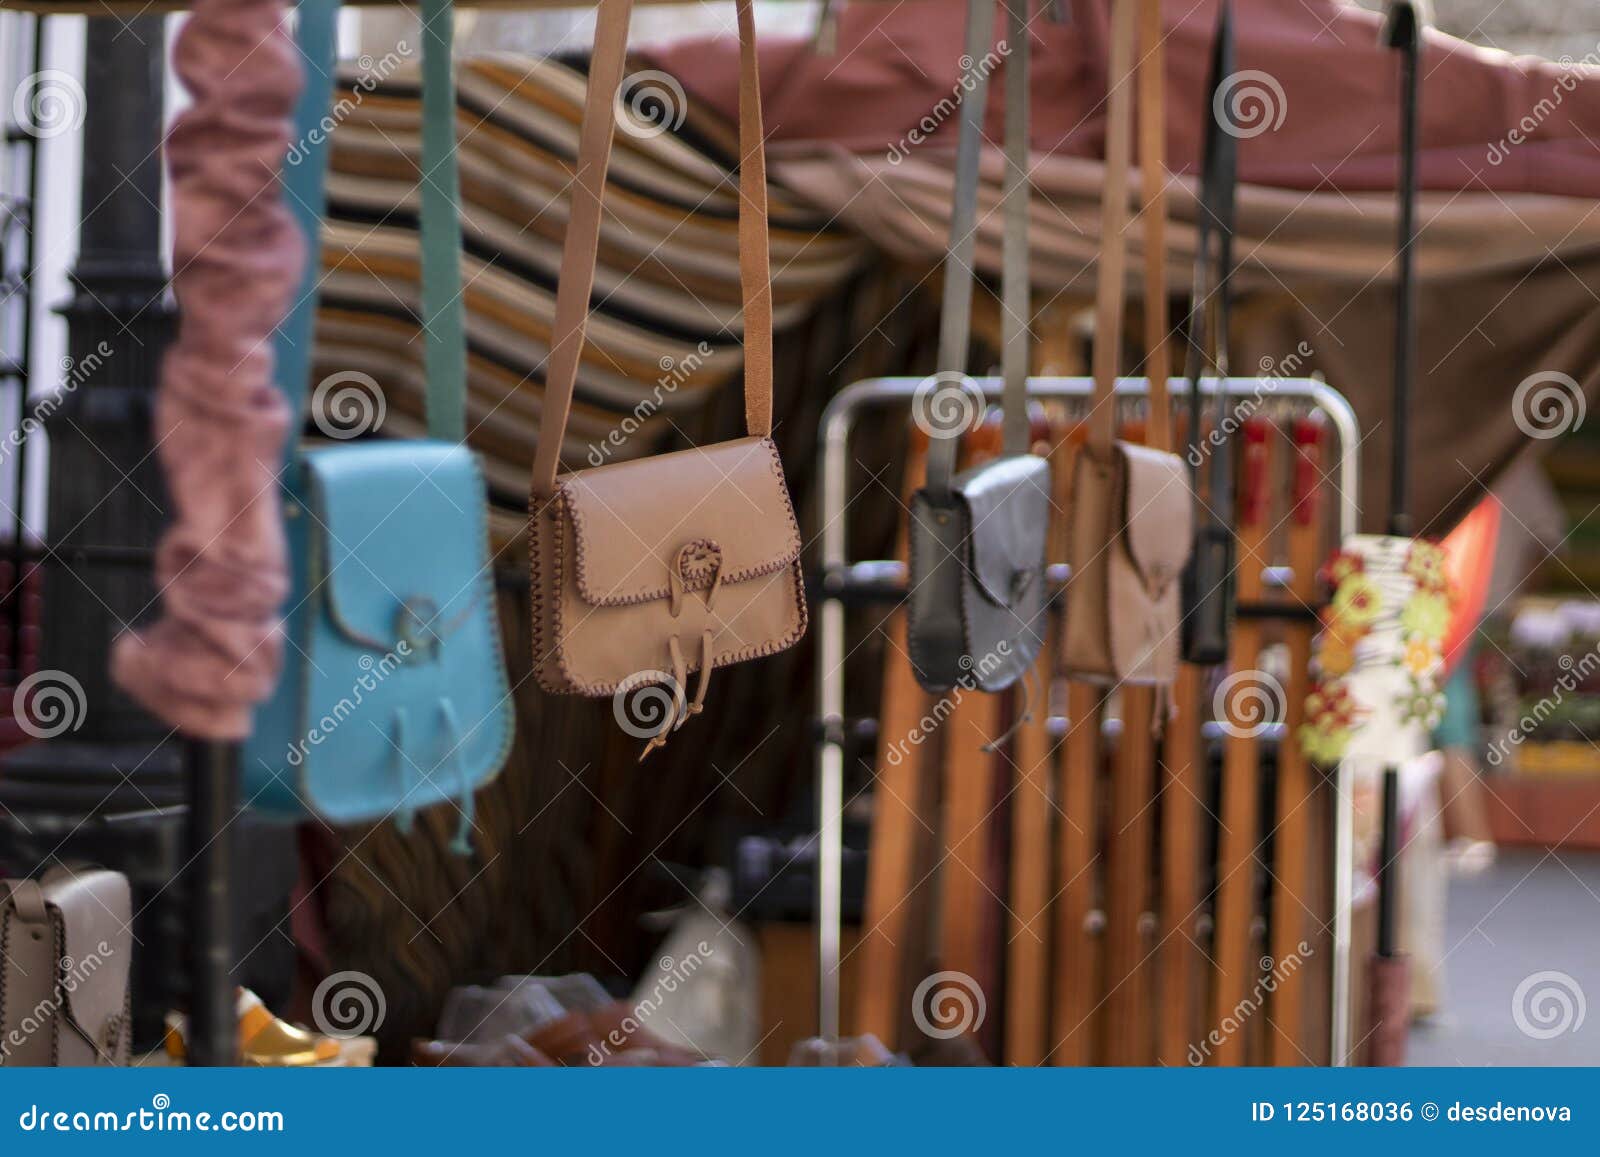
point(1313, 68)
point(1508, 250)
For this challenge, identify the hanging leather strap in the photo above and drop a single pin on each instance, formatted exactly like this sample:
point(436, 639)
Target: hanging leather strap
point(304, 181)
point(1016, 292)
point(1153, 215)
point(583, 236)
point(1209, 298)
point(27, 898)
point(955, 320)
point(443, 310)
point(1114, 212)
point(1402, 31)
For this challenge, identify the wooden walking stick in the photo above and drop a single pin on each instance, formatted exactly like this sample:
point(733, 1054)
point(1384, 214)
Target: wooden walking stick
point(1180, 866)
point(968, 770)
point(1291, 902)
point(1027, 948)
point(1076, 946)
point(1076, 943)
point(1241, 781)
point(1073, 947)
point(1027, 997)
point(902, 796)
point(1133, 787)
point(1208, 579)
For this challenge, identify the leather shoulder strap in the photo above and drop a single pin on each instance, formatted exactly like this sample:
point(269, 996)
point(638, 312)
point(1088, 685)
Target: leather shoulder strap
point(1209, 296)
point(27, 899)
point(582, 243)
point(304, 180)
point(1127, 16)
point(1151, 71)
point(443, 310)
point(1016, 290)
point(955, 319)
point(304, 177)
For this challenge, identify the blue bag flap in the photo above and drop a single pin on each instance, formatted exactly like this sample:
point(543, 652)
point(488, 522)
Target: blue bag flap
point(406, 702)
point(400, 525)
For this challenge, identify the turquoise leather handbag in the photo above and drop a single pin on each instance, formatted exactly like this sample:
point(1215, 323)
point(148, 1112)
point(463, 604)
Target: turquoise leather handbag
point(393, 695)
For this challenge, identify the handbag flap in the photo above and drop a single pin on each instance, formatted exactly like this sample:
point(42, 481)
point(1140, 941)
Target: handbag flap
point(632, 521)
point(1009, 504)
point(399, 539)
point(96, 917)
point(1158, 514)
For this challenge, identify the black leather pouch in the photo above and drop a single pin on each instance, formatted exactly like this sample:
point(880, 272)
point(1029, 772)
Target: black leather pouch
point(975, 612)
point(978, 594)
point(1208, 580)
point(1208, 595)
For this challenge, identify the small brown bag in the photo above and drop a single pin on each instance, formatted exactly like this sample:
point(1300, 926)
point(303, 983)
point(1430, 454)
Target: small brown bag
point(647, 571)
point(66, 943)
point(1132, 510)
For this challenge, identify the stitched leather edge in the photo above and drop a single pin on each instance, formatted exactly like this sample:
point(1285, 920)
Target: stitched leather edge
point(504, 711)
point(9, 918)
point(914, 637)
point(546, 565)
point(650, 594)
point(577, 684)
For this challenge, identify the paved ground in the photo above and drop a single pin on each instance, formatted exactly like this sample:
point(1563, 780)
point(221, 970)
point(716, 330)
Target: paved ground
point(1523, 963)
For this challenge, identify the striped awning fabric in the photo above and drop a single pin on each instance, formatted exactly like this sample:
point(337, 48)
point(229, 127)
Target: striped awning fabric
point(665, 334)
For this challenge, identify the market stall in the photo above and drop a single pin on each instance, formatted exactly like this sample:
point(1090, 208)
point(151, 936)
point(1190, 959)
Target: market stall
point(381, 259)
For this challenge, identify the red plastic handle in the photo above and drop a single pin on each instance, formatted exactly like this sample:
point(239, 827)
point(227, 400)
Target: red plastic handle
point(1309, 432)
point(1253, 484)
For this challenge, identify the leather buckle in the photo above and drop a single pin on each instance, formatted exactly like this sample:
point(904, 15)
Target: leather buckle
point(688, 565)
point(413, 626)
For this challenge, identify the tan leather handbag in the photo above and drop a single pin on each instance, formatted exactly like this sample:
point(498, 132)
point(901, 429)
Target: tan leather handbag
point(647, 572)
point(66, 943)
point(1132, 510)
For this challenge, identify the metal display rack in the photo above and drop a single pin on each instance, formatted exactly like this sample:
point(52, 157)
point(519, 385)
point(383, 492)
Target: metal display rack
point(841, 578)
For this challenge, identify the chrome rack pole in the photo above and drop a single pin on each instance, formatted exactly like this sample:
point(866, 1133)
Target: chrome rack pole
point(836, 421)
